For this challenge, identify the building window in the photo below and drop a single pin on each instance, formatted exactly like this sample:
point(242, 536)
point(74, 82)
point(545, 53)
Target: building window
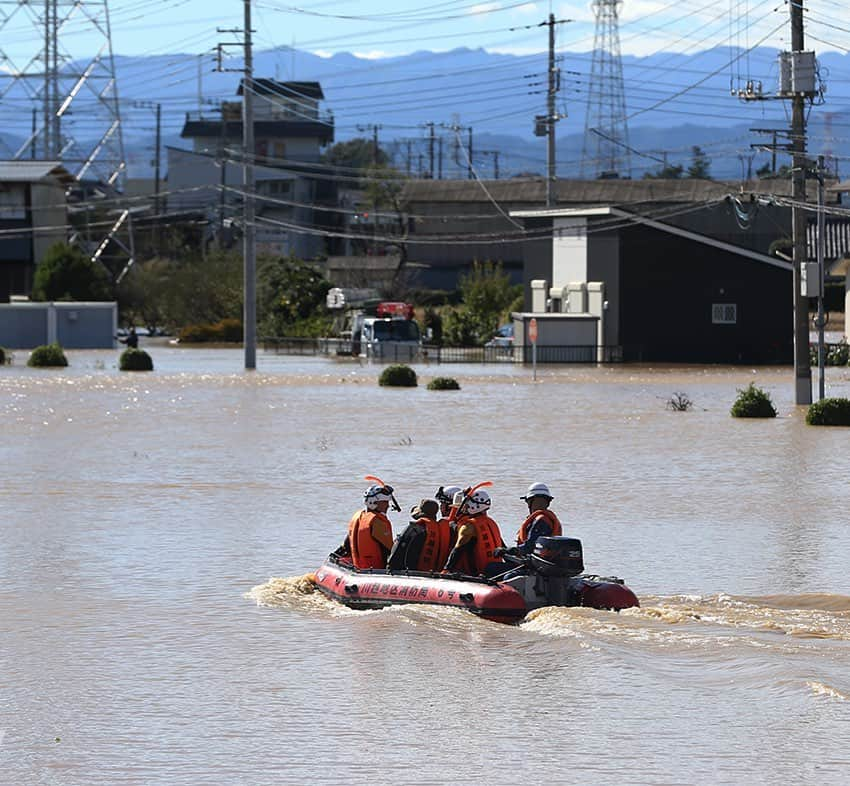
point(724, 313)
point(13, 202)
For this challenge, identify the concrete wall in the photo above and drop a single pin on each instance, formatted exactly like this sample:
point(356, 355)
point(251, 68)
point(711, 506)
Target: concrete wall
point(50, 215)
point(73, 325)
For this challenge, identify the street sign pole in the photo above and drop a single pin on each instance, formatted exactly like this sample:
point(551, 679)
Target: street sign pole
point(532, 337)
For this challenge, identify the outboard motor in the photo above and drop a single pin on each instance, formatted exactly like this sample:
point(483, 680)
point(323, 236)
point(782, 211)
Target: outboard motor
point(557, 556)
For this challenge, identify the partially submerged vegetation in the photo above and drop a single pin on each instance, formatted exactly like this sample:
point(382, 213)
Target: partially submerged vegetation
point(443, 383)
point(135, 360)
point(47, 356)
point(829, 412)
point(679, 402)
point(398, 376)
point(753, 402)
point(224, 331)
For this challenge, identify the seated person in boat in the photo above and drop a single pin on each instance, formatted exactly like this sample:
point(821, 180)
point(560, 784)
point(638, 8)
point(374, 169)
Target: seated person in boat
point(478, 536)
point(541, 521)
point(370, 533)
point(445, 496)
point(425, 544)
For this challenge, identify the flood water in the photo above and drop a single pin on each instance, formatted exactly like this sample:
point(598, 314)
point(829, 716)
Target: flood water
point(157, 627)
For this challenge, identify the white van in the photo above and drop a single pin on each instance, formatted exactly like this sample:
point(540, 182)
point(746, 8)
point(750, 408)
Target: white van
point(393, 340)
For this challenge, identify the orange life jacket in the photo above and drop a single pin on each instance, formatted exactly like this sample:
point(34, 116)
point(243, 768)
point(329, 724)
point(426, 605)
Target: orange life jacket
point(366, 551)
point(487, 540)
point(437, 545)
point(522, 535)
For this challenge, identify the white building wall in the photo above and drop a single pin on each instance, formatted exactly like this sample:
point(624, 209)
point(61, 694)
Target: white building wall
point(569, 251)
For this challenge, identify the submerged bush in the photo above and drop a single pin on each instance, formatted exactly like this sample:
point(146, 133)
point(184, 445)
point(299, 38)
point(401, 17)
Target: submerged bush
point(753, 402)
point(829, 412)
point(443, 383)
point(2, 356)
point(679, 402)
point(135, 360)
point(398, 376)
point(834, 354)
point(227, 330)
point(47, 355)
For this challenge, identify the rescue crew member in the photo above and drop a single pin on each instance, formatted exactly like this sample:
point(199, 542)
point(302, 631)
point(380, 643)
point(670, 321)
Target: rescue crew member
point(445, 496)
point(370, 533)
point(478, 536)
point(425, 544)
point(541, 521)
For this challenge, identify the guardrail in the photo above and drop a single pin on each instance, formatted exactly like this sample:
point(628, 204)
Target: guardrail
point(431, 353)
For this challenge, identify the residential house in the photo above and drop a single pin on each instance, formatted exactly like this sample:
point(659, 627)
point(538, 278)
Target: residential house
point(655, 270)
point(33, 216)
point(290, 131)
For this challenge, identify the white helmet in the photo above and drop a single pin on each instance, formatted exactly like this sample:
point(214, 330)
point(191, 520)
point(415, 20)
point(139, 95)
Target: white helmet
point(537, 490)
point(477, 503)
point(446, 494)
point(377, 494)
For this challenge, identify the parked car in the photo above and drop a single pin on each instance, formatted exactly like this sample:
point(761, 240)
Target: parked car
point(502, 343)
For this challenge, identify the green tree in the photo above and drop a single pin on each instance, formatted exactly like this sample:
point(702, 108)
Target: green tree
point(700, 164)
point(486, 295)
point(356, 154)
point(291, 298)
point(202, 289)
point(143, 292)
point(667, 172)
point(66, 273)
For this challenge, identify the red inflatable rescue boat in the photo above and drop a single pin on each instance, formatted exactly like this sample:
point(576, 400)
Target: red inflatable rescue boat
point(550, 576)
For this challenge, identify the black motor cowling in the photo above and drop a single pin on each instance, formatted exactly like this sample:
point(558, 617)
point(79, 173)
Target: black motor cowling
point(557, 556)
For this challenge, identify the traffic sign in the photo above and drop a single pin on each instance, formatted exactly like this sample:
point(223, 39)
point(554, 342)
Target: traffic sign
point(532, 330)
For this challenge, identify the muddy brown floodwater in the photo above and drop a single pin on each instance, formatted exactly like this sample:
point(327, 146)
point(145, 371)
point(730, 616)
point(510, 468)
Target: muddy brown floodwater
point(157, 627)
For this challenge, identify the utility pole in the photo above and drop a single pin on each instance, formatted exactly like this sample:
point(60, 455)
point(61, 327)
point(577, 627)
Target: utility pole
point(821, 320)
point(156, 158)
point(551, 183)
point(249, 245)
point(375, 148)
point(440, 158)
point(802, 364)
point(495, 154)
point(431, 150)
point(469, 170)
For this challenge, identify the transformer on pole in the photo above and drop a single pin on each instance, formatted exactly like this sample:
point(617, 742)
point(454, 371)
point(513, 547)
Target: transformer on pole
point(606, 134)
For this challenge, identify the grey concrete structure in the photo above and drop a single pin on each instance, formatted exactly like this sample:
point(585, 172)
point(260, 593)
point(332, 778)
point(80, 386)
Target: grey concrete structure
point(72, 325)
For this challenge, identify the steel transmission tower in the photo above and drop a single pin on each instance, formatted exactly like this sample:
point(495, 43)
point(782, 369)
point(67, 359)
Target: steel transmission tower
point(67, 108)
point(606, 133)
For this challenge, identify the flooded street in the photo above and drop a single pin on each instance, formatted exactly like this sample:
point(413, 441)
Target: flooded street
point(157, 627)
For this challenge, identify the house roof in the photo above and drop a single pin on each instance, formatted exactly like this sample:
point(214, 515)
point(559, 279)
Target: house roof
point(271, 87)
point(270, 129)
point(636, 218)
point(577, 192)
point(33, 171)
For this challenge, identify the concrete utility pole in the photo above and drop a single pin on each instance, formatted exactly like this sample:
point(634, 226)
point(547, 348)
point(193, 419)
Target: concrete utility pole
point(551, 176)
point(431, 150)
point(821, 323)
point(802, 364)
point(249, 238)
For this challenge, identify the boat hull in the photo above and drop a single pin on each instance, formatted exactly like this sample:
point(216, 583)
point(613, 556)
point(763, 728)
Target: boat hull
point(507, 601)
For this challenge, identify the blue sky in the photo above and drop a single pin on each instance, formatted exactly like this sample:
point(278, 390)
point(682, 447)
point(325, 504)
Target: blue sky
point(378, 28)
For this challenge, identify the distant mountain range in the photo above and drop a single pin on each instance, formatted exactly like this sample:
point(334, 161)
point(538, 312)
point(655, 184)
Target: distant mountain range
point(673, 101)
